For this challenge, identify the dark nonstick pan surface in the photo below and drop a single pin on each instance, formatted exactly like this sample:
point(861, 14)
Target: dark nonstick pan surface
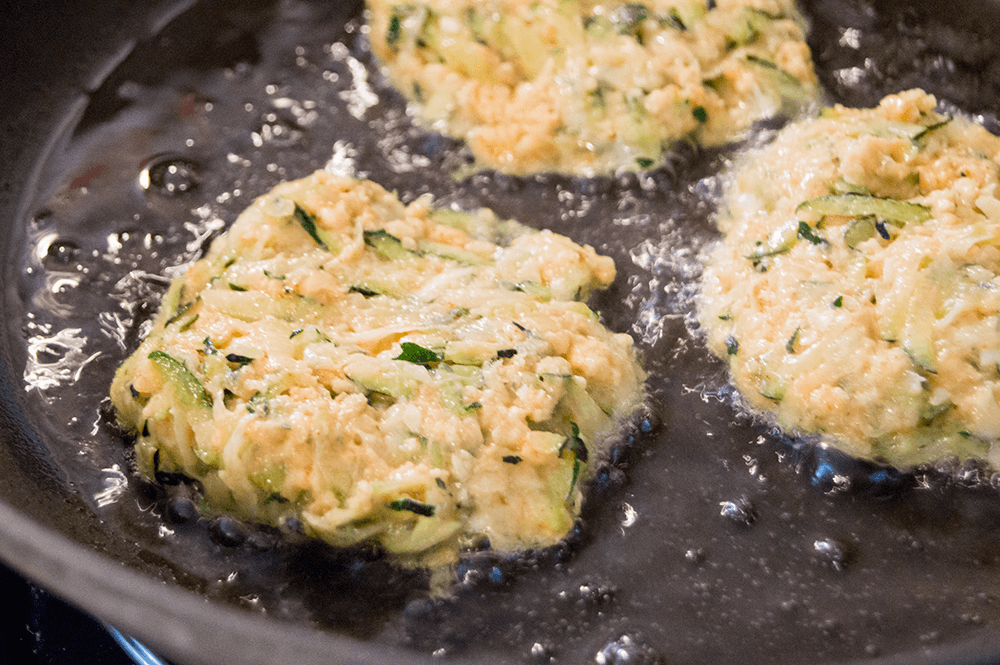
point(133, 133)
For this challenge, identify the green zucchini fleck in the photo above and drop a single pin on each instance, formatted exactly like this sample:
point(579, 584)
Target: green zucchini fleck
point(308, 222)
point(789, 87)
point(628, 19)
point(790, 346)
point(732, 346)
point(393, 33)
point(930, 411)
point(190, 390)
point(893, 211)
point(414, 353)
point(187, 324)
point(363, 290)
point(806, 232)
point(579, 449)
point(385, 244)
point(259, 404)
point(780, 241)
point(930, 128)
point(673, 19)
point(239, 360)
point(861, 229)
point(413, 506)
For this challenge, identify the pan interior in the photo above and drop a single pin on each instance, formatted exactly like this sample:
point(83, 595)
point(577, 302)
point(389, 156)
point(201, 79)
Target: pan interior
point(711, 539)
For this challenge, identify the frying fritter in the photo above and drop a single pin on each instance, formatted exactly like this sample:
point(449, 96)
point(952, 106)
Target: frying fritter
point(856, 292)
point(589, 87)
point(414, 377)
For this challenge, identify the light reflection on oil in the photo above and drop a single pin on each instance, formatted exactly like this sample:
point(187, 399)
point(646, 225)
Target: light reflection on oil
point(360, 97)
point(669, 293)
point(49, 298)
point(55, 359)
point(343, 162)
point(115, 484)
point(631, 515)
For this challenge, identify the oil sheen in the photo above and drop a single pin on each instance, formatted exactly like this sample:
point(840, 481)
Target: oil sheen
point(706, 538)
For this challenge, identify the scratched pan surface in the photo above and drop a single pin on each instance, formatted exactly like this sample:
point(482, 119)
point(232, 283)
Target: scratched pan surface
point(132, 134)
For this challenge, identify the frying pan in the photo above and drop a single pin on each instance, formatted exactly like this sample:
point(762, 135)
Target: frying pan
point(133, 132)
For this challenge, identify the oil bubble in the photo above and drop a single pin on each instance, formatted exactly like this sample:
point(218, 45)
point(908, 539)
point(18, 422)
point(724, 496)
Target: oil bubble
point(648, 421)
point(278, 129)
point(972, 473)
point(595, 186)
point(629, 649)
point(832, 553)
point(835, 472)
point(740, 511)
point(481, 571)
point(170, 175)
point(608, 479)
point(695, 556)
point(507, 184)
point(627, 180)
point(60, 255)
point(589, 595)
point(261, 540)
point(181, 510)
point(227, 532)
point(542, 653)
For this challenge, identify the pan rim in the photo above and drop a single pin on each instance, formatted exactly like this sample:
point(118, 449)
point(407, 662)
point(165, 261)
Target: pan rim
point(136, 603)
